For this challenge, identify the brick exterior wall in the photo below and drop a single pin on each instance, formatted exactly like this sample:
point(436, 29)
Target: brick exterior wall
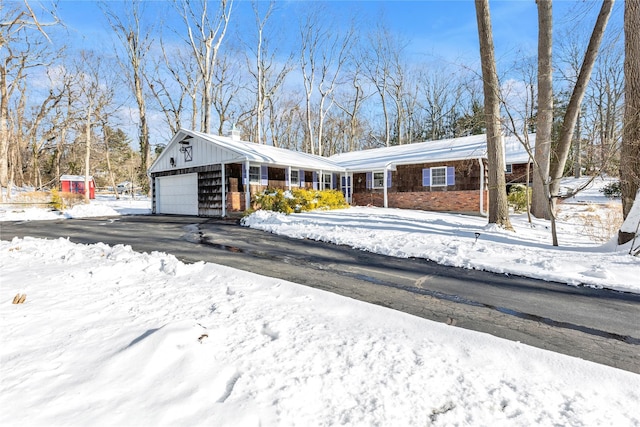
point(444, 201)
point(519, 174)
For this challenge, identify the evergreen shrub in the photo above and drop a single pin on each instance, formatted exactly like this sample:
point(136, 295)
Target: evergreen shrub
point(517, 197)
point(299, 200)
point(612, 190)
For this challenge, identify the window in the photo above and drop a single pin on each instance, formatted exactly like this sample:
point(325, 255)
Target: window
point(439, 177)
point(509, 168)
point(327, 181)
point(254, 174)
point(378, 180)
point(188, 152)
point(295, 178)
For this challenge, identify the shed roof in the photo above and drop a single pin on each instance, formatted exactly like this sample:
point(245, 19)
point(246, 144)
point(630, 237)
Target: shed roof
point(74, 178)
point(469, 147)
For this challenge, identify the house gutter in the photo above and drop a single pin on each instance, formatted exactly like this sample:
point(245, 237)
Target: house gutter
point(482, 212)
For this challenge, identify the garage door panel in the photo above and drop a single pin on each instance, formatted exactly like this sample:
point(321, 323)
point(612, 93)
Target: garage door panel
point(177, 194)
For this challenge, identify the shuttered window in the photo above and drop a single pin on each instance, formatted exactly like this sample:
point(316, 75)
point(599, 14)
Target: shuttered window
point(295, 178)
point(254, 174)
point(440, 176)
point(376, 180)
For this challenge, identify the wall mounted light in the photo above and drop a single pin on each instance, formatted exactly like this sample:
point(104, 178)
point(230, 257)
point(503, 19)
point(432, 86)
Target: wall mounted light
point(172, 161)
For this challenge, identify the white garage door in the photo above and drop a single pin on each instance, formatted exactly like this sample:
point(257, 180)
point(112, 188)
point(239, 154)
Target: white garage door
point(177, 194)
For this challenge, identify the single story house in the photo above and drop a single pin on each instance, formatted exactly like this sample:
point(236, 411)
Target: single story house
point(187, 178)
point(444, 175)
point(76, 184)
point(448, 175)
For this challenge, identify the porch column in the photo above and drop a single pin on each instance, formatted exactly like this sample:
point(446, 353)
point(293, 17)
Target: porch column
point(247, 187)
point(289, 178)
point(384, 187)
point(224, 190)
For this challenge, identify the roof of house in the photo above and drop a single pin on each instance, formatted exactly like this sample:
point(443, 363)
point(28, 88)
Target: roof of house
point(469, 147)
point(454, 149)
point(267, 154)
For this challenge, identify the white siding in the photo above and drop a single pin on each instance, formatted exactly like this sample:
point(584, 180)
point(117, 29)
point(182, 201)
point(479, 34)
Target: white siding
point(177, 194)
point(202, 153)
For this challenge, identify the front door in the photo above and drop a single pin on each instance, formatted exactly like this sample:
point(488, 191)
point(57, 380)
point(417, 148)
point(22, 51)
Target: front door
point(346, 185)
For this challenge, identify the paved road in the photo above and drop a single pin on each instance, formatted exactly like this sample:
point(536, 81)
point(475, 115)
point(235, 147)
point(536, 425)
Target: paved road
point(598, 325)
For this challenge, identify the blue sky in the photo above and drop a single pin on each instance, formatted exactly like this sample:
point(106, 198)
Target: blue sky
point(435, 27)
point(437, 30)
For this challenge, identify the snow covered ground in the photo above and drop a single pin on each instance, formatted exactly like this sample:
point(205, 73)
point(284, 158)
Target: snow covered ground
point(584, 223)
point(108, 336)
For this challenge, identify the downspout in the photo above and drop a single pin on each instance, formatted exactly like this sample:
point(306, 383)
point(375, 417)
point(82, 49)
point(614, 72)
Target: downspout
point(247, 189)
point(482, 212)
point(224, 190)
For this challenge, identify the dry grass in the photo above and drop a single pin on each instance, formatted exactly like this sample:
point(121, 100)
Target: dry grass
point(35, 197)
point(38, 199)
point(72, 199)
point(600, 222)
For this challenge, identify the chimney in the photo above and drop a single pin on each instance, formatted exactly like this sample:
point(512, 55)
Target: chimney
point(235, 133)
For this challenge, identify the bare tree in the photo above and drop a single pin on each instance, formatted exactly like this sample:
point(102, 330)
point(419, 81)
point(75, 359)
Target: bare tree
point(228, 82)
point(268, 73)
point(561, 153)
point(136, 41)
point(310, 34)
point(498, 208)
point(350, 102)
point(95, 94)
point(204, 36)
point(335, 53)
point(380, 54)
point(604, 105)
point(630, 154)
point(174, 83)
point(21, 32)
point(440, 98)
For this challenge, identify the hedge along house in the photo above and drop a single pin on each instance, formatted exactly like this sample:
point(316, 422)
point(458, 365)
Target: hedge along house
point(446, 175)
point(209, 175)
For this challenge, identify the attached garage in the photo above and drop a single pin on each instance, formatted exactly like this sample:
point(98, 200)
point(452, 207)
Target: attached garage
point(177, 194)
point(207, 175)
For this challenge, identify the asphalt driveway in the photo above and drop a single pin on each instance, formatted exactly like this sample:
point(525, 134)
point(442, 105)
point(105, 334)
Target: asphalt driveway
point(598, 325)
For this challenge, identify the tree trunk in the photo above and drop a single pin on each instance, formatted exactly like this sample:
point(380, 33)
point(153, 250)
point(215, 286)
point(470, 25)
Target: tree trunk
point(4, 129)
point(577, 149)
point(559, 159)
point(540, 196)
point(498, 208)
point(630, 152)
point(87, 156)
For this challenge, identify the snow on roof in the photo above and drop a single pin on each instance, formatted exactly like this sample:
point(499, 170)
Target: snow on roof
point(469, 147)
point(420, 152)
point(515, 151)
point(262, 153)
point(74, 178)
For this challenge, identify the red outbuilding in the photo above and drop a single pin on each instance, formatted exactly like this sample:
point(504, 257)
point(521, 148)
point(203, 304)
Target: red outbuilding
point(76, 184)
